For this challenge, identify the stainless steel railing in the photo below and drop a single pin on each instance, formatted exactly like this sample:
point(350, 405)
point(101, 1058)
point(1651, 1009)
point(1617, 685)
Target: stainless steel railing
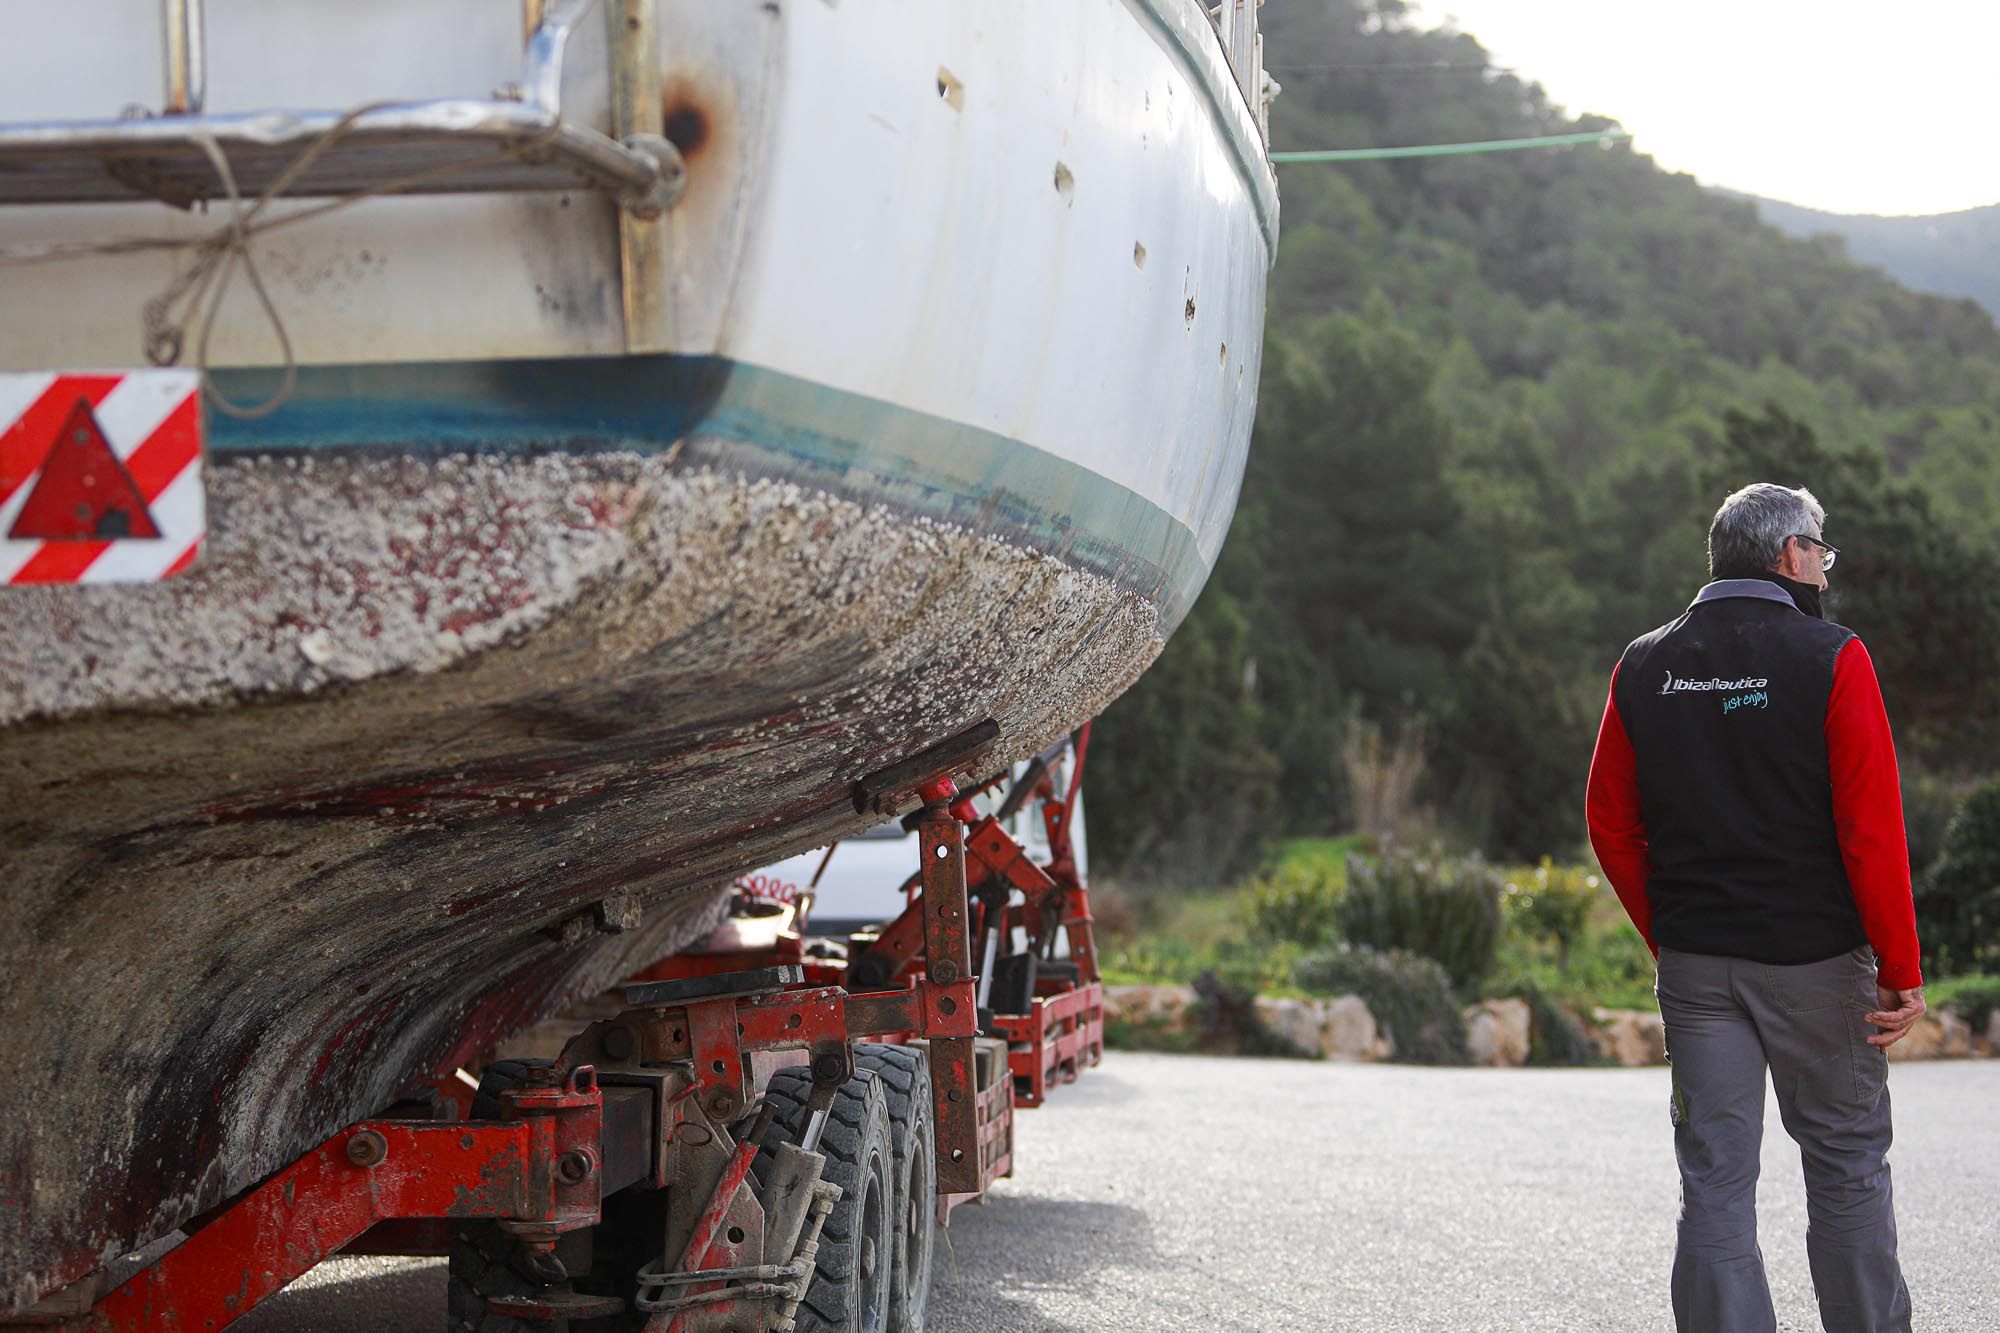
point(187, 56)
point(1236, 24)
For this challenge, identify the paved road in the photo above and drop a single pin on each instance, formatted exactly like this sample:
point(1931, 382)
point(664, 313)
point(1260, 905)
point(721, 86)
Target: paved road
point(1184, 1193)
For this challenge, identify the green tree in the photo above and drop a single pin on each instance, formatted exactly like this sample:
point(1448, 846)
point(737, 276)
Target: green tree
point(1926, 601)
point(1502, 396)
point(1958, 899)
point(1515, 740)
point(1360, 557)
point(1182, 786)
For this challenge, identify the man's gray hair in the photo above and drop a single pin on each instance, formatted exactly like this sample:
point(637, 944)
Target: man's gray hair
point(1750, 529)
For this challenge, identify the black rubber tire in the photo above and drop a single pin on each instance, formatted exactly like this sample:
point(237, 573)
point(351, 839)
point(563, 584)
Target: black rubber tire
point(905, 1076)
point(484, 1260)
point(852, 1275)
point(482, 1257)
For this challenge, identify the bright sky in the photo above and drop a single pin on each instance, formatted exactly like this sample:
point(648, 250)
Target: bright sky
point(1843, 105)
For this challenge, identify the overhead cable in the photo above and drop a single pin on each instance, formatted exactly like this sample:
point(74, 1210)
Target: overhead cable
point(1449, 149)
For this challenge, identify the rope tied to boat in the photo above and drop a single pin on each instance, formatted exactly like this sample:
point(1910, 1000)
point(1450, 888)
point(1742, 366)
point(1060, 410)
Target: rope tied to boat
point(215, 261)
point(195, 295)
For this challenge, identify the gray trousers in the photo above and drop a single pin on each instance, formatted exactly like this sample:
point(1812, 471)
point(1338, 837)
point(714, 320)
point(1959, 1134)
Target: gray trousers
point(1726, 1020)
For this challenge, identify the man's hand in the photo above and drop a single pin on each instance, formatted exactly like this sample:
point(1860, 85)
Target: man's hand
point(1899, 1013)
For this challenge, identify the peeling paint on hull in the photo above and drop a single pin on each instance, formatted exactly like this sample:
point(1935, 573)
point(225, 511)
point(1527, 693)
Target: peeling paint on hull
point(285, 836)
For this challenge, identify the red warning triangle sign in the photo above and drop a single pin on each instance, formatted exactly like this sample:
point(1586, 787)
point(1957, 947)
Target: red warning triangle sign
point(85, 493)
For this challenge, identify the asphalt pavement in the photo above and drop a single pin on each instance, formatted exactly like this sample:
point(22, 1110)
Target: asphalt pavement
point(1190, 1193)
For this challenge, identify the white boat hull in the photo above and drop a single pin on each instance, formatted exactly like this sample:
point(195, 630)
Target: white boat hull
point(531, 613)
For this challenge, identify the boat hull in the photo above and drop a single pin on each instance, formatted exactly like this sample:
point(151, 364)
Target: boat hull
point(523, 624)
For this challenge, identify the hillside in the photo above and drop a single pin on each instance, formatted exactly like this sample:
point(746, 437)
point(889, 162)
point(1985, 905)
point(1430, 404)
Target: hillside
point(1951, 254)
point(1502, 396)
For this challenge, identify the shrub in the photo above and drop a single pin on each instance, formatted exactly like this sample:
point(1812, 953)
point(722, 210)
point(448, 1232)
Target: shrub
point(1609, 965)
point(1972, 998)
point(1958, 898)
point(1929, 802)
point(1152, 1033)
point(1448, 911)
point(1178, 956)
point(1297, 903)
point(1227, 1013)
point(1556, 1037)
point(1410, 997)
point(1553, 902)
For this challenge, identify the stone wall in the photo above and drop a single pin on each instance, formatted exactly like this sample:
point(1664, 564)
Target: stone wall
point(1498, 1033)
point(1336, 1029)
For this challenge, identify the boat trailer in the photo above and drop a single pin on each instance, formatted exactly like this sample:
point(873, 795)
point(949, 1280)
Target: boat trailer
point(646, 1178)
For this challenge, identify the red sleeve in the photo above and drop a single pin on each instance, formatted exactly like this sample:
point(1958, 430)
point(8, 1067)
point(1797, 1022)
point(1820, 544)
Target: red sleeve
point(1611, 807)
point(1868, 815)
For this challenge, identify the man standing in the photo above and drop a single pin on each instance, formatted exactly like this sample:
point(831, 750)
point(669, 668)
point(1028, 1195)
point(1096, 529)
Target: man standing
point(1744, 803)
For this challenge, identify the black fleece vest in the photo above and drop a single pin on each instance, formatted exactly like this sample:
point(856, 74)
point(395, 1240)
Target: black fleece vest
point(1726, 711)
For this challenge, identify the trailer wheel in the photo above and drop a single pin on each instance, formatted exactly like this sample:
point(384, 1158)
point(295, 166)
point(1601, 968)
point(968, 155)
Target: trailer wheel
point(481, 1263)
point(905, 1075)
point(851, 1279)
point(483, 1258)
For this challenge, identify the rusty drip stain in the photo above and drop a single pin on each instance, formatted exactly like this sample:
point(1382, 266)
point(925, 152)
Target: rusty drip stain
point(686, 124)
point(699, 116)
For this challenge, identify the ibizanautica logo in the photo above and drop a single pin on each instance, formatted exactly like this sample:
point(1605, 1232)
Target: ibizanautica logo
point(1684, 685)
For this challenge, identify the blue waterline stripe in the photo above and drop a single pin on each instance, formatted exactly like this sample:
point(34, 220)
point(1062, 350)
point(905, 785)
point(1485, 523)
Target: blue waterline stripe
point(531, 406)
point(746, 418)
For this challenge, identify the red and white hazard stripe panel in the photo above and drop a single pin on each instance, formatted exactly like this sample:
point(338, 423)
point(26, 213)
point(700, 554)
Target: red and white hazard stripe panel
point(100, 476)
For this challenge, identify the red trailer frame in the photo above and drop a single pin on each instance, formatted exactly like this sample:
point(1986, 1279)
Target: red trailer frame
point(647, 1099)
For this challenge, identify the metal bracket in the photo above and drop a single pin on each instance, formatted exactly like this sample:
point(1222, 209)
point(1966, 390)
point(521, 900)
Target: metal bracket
point(948, 964)
point(761, 981)
point(887, 790)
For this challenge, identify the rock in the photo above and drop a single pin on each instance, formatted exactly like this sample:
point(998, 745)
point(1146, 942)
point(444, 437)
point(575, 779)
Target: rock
point(1957, 1037)
point(1921, 1042)
point(1630, 1037)
point(1294, 1021)
point(1499, 1033)
point(1986, 1043)
point(1935, 1036)
point(1350, 1031)
point(1166, 1005)
point(1341, 1028)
